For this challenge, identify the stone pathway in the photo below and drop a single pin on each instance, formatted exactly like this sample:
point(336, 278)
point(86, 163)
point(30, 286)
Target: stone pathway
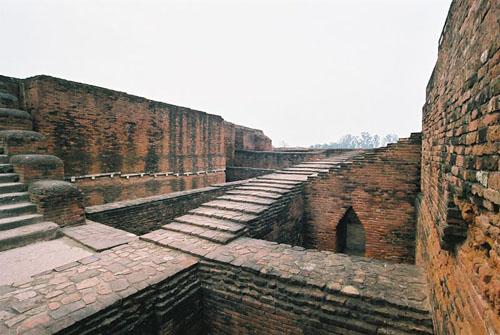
point(55, 300)
point(97, 236)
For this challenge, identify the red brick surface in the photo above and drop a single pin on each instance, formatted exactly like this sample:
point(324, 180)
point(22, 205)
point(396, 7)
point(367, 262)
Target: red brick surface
point(460, 153)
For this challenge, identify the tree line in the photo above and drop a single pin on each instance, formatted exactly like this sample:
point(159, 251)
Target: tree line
point(363, 141)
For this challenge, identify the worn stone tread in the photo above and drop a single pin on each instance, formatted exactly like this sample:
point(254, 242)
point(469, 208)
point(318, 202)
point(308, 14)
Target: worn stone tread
point(236, 206)
point(18, 221)
point(6, 168)
point(269, 183)
point(278, 191)
point(24, 235)
point(12, 187)
point(14, 197)
point(201, 232)
point(224, 214)
point(8, 177)
point(178, 241)
point(256, 194)
point(16, 209)
point(211, 223)
point(247, 199)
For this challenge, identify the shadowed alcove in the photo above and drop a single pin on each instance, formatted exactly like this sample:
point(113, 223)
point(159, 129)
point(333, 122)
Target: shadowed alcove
point(350, 234)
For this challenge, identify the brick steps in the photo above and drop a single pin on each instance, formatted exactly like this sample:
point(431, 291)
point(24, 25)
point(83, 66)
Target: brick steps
point(13, 187)
point(17, 209)
point(204, 233)
point(18, 237)
point(235, 206)
point(211, 223)
point(18, 221)
point(247, 199)
point(282, 179)
point(8, 177)
point(4, 159)
point(15, 119)
point(259, 194)
point(10, 198)
point(223, 214)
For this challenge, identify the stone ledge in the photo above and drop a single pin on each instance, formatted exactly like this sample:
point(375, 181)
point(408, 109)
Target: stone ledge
point(14, 113)
point(33, 167)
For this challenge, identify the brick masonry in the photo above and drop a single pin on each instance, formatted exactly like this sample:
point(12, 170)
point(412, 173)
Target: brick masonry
point(380, 186)
point(458, 226)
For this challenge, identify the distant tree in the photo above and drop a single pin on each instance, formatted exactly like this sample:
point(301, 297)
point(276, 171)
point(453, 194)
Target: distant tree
point(364, 141)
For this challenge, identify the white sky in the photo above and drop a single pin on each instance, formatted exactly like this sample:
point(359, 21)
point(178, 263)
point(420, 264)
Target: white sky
point(305, 72)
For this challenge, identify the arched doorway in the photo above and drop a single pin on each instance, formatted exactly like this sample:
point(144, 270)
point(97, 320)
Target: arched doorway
point(350, 235)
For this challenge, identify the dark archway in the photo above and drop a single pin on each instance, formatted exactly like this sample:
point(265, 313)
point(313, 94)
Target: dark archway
point(350, 235)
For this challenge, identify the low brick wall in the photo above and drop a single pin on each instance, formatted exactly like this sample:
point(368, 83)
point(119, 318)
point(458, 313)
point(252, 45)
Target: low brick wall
point(143, 215)
point(105, 189)
point(258, 287)
point(234, 173)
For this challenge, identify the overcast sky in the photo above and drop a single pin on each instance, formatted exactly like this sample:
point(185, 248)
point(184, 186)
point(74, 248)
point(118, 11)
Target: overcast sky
point(305, 72)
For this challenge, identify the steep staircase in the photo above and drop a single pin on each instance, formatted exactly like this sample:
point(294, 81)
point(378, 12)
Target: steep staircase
point(19, 223)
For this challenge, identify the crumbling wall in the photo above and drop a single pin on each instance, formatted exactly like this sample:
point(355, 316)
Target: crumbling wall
point(237, 137)
point(274, 159)
point(380, 186)
point(458, 226)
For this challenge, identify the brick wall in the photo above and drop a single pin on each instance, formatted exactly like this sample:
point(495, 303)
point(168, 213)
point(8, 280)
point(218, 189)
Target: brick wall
point(273, 159)
point(96, 130)
point(237, 137)
point(458, 225)
point(380, 186)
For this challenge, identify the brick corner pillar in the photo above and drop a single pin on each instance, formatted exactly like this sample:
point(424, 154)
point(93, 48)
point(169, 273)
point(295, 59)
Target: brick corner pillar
point(58, 201)
point(31, 168)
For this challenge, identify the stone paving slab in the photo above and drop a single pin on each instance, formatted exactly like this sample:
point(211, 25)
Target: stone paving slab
point(236, 206)
point(21, 263)
point(97, 236)
point(56, 299)
point(283, 178)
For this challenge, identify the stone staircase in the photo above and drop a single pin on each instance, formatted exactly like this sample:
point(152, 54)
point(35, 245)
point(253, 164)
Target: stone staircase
point(19, 222)
point(238, 211)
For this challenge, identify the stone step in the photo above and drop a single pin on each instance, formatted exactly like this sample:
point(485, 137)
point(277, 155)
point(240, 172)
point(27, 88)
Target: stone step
point(236, 206)
point(223, 214)
point(13, 187)
point(259, 194)
point(6, 168)
point(271, 184)
point(180, 241)
point(204, 233)
point(19, 221)
point(8, 177)
point(284, 178)
point(299, 173)
point(24, 235)
point(263, 189)
point(247, 199)
point(17, 209)
point(211, 223)
point(10, 198)
point(4, 159)
point(279, 179)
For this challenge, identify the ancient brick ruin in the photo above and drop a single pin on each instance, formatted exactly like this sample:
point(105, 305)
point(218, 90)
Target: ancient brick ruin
point(148, 218)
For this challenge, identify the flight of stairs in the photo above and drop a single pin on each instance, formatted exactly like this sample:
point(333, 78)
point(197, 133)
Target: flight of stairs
point(19, 223)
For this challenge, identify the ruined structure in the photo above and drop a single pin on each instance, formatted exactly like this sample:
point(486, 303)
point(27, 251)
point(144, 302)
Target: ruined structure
point(148, 218)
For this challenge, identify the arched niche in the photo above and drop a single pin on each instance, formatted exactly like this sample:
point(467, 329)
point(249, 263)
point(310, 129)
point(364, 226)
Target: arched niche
point(350, 235)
